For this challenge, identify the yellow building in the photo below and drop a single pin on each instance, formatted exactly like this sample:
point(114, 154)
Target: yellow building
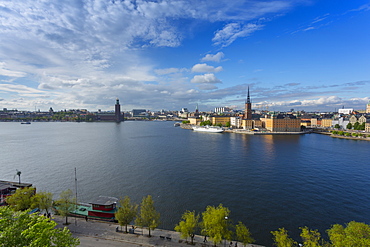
point(194, 120)
point(326, 122)
point(282, 123)
point(368, 108)
point(247, 124)
point(220, 120)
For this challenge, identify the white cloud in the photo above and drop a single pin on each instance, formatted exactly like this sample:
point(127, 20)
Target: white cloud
point(232, 31)
point(206, 78)
point(213, 58)
point(202, 67)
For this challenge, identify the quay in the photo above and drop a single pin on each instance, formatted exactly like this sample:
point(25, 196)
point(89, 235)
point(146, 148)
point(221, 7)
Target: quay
point(104, 234)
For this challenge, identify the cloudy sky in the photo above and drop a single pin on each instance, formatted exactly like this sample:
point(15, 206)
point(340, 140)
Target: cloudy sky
point(168, 54)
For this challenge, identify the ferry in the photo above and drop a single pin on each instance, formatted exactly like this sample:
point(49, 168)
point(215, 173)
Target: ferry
point(207, 128)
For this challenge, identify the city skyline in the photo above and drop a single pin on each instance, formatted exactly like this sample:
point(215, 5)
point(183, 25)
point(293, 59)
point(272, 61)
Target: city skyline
point(304, 54)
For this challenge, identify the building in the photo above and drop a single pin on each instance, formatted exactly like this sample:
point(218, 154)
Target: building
point(220, 120)
point(282, 123)
point(139, 113)
point(368, 107)
point(220, 110)
point(326, 122)
point(117, 112)
point(236, 122)
point(345, 111)
point(248, 108)
point(115, 116)
point(195, 120)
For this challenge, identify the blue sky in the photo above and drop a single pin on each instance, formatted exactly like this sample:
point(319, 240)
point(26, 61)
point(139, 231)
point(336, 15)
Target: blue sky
point(303, 54)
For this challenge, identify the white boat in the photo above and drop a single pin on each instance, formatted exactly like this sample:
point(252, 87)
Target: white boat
point(212, 129)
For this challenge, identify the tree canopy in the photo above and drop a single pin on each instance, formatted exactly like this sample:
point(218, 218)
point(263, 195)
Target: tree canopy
point(43, 201)
point(243, 234)
point(215, 223)
point(148, 216)
point(126, 213)
point(188, 225)
point(65, 203)
point(23, 229)
point(21, 199)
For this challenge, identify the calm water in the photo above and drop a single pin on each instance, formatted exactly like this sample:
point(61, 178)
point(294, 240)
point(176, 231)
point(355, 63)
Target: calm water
point(266, 181)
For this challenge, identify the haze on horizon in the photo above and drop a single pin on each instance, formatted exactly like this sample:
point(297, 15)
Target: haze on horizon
point(168, 54)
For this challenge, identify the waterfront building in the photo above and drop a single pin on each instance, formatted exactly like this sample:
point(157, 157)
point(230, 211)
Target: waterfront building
point(315, 122)
point(236, 122)
point(326, 122)
point(117, 112)
point(282, 123)
point(368, 107)
point(195, 120)
point(247, 124)
point(215, 120)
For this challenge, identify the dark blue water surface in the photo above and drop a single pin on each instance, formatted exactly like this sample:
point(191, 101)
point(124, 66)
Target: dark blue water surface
point(267, 182)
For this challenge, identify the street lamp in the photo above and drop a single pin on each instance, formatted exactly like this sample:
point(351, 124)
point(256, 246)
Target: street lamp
point(225, 229)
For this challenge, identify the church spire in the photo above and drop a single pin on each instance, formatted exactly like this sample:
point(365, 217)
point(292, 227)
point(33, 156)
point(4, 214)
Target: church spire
point(248, 98)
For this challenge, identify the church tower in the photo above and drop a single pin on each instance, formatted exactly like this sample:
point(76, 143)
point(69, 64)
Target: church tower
point(248, 108)
point(117, 112)
point(368, 107)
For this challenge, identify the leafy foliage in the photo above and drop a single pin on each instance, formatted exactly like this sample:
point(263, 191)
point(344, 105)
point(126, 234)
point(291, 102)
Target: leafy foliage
point(24, 229)
point(65, 203)
point(281, 238)
point(215, 223)
point(243, 234)
point(43, 201)
point(126, 213)
point(204, 123)
point(354, 234)
point(311, 238)
point(187, 227)
point(21, 199)
point(148, 216)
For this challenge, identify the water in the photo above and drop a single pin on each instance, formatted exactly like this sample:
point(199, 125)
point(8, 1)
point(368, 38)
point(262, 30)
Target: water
point(267, 182)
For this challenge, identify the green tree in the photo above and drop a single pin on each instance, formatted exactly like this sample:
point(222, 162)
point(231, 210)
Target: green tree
point(188, 225)
point(24, 229)
point(349, 126)
point(126, 213)
point(341, 133)
point(311, 238)
point(354, 234)
point(65, 204)
point(43, 201)
point(227, 124)
point(281, 238)
point(21, 199)
point(337, 126)
point(356, 126)
point(204, 123)
point(243, 234)
point(215, 223)
point(148, 216)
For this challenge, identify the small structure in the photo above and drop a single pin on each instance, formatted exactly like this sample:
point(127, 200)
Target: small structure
point(103, 207)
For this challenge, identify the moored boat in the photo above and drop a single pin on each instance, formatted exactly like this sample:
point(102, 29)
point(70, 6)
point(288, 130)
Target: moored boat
point(212, 129)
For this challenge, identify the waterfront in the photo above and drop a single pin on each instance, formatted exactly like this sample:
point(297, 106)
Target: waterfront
point(266, 181)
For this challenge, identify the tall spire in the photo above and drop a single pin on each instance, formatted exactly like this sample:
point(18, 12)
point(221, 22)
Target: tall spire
point(248, 98)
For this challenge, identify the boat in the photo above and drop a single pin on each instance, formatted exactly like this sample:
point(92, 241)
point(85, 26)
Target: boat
point(25, 122)
point(207, 128)
point(177, 124)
